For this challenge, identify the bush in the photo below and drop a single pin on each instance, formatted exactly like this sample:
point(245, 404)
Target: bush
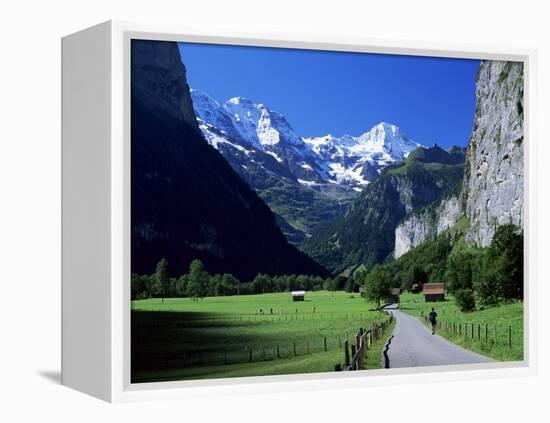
point(465, 299)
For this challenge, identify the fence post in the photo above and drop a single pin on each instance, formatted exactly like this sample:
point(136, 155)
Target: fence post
point(224, 356)
point(495, 335)
point(509, 336)
point(472, 331)
point(478, 332)
point(278, 354)
point(486, 332)
point(294, 344)
point(250, 355)
point(346, 353)
point(325, 341)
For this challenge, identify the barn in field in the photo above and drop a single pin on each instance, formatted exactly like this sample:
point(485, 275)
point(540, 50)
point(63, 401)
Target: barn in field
point(434, 292)
point(298, 295)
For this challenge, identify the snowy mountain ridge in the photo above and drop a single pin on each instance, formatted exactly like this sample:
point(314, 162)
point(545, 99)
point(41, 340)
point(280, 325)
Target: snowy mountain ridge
point(351, 161)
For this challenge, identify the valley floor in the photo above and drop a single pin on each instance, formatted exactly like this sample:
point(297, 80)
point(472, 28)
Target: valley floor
point(247, 335)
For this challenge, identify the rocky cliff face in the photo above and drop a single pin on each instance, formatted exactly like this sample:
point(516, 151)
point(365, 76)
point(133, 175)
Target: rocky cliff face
point(492, 192)
point(426, 223)
point(493, 181)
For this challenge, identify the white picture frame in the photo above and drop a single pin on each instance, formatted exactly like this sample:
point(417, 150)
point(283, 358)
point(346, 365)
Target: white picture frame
point(96, 213)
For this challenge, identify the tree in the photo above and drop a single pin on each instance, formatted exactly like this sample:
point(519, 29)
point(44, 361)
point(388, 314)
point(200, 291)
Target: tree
point(162, 277)
point(214, 285)
point(506, 255)
point(419, 276)
point(139, 288)
point(181, 286)
point(458, 272)
point(498, 273)
point(356, 279)
point(377, 284)
point(198, 280)
point(330, 285)
point(261, 283)
point(229, 284)
point(465, 299)
point(302, 282)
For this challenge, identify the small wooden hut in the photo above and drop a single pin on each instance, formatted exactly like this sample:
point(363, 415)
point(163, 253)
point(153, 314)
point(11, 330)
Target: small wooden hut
point(434, 292)
point(298, 295)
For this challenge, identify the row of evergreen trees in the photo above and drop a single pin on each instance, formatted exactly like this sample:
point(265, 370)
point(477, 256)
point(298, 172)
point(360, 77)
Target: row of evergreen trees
point(488, 276)
point(198, 283)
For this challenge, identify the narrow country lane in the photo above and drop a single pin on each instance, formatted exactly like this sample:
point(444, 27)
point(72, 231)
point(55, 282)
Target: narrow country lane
point(413, 345)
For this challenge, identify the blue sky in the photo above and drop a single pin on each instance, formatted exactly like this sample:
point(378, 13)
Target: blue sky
point(430, 99)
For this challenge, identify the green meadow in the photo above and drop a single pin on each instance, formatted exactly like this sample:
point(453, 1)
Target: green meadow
point(247, 335)
point(495, 325)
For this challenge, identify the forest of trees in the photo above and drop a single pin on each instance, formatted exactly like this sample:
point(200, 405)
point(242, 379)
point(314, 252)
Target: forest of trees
point(198, 283)
point(483, 276)
point(476, 276)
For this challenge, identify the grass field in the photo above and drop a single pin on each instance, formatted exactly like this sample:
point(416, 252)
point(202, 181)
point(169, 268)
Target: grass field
point(456, 326)
point(229, 336)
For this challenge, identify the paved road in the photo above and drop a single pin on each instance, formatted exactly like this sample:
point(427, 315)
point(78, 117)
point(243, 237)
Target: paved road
point(413, 345)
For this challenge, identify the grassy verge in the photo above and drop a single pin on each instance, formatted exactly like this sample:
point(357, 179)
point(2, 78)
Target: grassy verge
point(491, 326)
point(374, 358)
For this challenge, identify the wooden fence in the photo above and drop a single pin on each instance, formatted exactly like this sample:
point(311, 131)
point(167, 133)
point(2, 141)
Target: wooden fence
point(354, 354)
point(475, 331)
point(226, 354)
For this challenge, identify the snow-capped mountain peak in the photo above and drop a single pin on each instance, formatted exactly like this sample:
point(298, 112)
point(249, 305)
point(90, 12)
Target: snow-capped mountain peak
point(348, 160)
point(256, 121)
point(387, 138)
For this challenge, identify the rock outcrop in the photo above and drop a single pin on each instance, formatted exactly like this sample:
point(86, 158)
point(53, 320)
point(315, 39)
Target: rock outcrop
point(426, 223)
point(493, 179)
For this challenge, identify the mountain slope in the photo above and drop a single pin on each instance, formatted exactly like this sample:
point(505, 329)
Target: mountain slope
point(365, 234)
point(307, 183)
point(299, 208)
point(187, 202)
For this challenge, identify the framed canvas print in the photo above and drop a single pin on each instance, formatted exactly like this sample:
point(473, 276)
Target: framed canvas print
point(245, 212)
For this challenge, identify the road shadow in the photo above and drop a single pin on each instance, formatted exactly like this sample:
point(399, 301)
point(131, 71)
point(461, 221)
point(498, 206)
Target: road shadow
point(54, 376)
